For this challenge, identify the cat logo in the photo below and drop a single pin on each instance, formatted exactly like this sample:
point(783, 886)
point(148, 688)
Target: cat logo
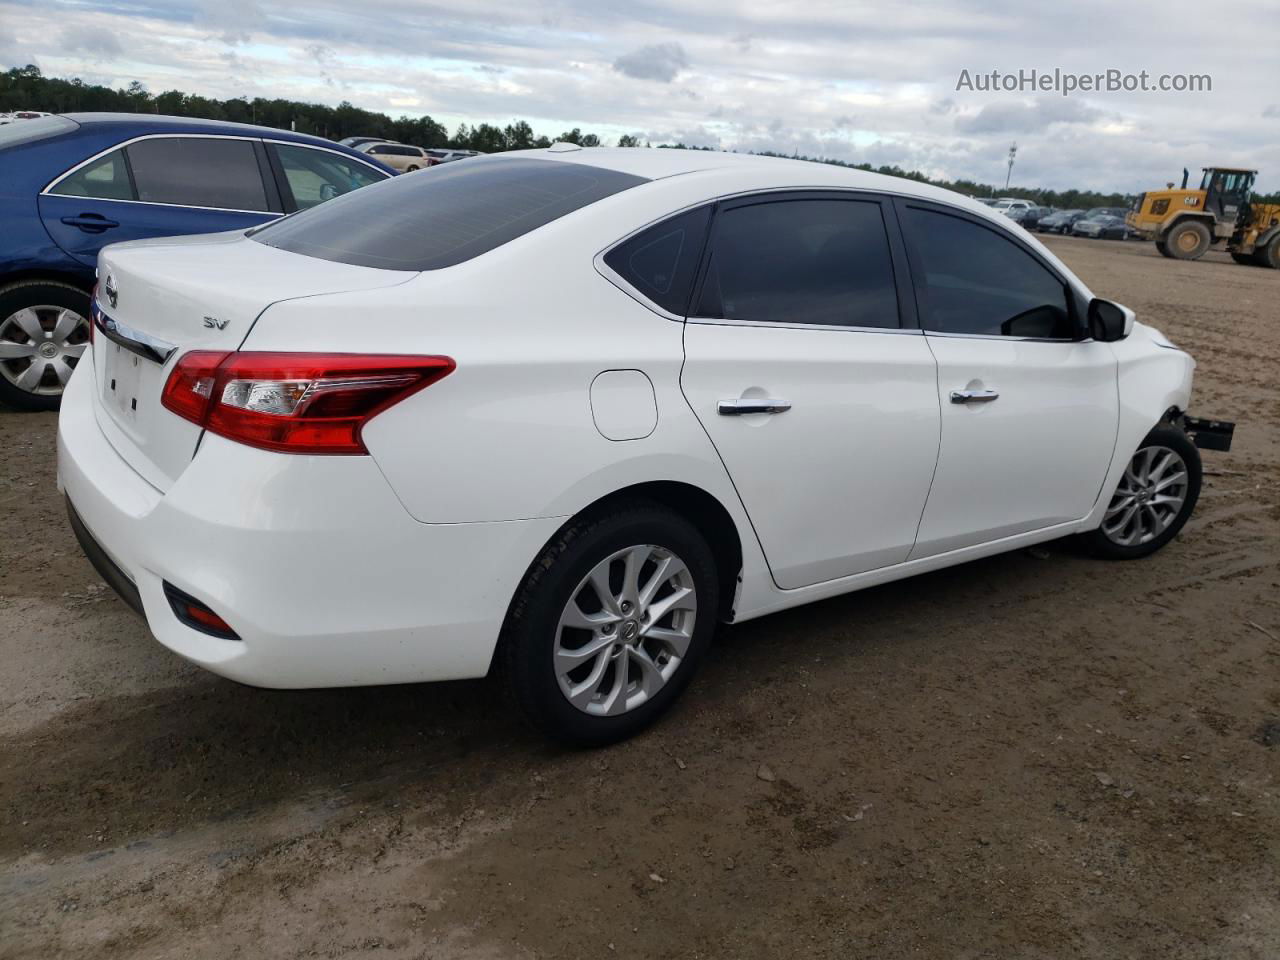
point(213, 323)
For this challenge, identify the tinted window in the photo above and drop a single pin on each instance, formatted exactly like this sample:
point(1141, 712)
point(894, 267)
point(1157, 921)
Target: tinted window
point(318, 175)
point(976, 281)
point(801, 261)
point(661, 262)
point(106, 178)
point(29, 131)
point(459, 212)
point(198, 172)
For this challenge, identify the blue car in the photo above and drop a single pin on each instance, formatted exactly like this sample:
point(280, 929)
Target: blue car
point(71, 184)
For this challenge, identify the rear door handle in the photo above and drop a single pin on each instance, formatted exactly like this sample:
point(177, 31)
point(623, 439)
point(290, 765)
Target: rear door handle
point(744, 405)
point(973, 396)
point(90, 222)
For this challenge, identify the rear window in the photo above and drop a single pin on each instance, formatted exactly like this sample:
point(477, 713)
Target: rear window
point(452, 215)
point(29, 131)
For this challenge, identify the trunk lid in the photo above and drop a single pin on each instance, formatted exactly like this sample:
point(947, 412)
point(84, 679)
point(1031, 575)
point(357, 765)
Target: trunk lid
point(158, 299)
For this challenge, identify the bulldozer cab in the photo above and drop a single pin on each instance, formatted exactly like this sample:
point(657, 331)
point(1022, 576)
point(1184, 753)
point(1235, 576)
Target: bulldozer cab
point(1226, 192)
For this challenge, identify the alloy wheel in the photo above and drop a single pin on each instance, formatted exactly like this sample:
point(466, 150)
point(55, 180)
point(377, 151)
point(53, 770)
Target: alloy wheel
point(1148, 498)
point(40, 346)
point(625, 630)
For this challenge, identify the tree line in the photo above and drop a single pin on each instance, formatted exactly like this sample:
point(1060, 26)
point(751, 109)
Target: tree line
point(27, 88)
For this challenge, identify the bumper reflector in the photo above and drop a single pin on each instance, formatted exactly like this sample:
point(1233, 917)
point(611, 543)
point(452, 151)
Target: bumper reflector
point(197, 615)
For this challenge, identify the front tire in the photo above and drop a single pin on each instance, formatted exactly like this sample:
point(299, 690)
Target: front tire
point(1154, 498)
point(1188, 240)
point(43, 334)
point(610, 623)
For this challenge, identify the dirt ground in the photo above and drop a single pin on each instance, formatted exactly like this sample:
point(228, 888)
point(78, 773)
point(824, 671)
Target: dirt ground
point(1038, 755)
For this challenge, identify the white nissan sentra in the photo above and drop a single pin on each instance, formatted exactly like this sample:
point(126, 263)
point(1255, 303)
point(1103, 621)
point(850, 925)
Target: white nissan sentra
point(566, 410)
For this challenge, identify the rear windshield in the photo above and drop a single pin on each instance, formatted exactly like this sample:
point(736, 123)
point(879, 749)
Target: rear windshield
point(29, 131)
point(443, 216)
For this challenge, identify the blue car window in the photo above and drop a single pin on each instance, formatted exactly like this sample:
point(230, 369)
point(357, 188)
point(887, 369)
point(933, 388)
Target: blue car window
point(106, 178)
point(198, 172)
point(318, 175)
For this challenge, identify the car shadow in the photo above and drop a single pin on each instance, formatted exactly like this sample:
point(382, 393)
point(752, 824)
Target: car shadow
point(113, 768)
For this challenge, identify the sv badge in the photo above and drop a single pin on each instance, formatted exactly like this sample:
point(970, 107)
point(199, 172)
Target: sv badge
point(213, 323)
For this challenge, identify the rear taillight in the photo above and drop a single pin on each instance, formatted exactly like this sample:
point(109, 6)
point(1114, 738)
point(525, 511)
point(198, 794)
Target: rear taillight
point(294, 402)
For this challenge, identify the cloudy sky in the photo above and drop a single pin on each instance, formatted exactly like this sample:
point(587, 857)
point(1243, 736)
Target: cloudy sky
point(838, 78)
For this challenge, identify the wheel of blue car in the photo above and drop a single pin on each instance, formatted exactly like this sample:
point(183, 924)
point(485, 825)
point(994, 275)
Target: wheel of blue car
point(44, 330)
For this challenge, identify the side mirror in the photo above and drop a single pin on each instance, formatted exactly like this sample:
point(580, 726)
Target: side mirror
point(1109, 321)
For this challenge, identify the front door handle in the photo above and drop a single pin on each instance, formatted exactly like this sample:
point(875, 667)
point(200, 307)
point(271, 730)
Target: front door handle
point(744, 405)
point(90, 222)
point(973, 396)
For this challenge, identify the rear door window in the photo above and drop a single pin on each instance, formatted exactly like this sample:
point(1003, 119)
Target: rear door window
point(106, 178)
point(661, 262)
point(820, 262)
point(198, 172)
point(459, 212)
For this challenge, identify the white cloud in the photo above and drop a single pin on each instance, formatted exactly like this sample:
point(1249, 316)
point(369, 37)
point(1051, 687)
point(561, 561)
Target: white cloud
point(659, 61)
point(839, 79)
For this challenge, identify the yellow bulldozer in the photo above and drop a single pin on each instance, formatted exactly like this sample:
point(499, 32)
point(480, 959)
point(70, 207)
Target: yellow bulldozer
point(1185, 223)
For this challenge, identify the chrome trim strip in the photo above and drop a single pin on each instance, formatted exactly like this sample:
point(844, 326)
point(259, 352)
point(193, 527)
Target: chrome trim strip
point(717, 322)
point(1000, 336)
point(49, 188)
point(271, 214)
point(135, 341)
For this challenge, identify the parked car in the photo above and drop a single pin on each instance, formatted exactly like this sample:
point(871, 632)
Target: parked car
point(71, 184)
point(354, 142)
point(401, 157)
point(1059, 221)
point(1005, 205)
point(639, 407)
point(442, 155)
point(1103, 227)
point(1031, 218)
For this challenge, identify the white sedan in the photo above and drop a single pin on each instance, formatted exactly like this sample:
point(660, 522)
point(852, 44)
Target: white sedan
point(566, 410)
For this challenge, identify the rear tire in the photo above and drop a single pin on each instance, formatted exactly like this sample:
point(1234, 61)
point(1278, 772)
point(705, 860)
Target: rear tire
point(1269, 256)
point(591, 670)
point(44, 330)
point(1154, 498)
point(1188, 240)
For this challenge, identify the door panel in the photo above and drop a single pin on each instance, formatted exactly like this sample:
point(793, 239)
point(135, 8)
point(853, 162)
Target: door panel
point(834, 486)
point(1033, 456)
point(159, 186)
point(135, 221)
point(1029, 408)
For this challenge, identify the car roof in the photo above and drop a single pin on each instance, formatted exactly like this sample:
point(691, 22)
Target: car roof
point(140, 123)
point(768, 172)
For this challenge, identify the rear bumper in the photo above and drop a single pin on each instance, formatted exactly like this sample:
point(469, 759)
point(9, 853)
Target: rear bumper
point(313, 561)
